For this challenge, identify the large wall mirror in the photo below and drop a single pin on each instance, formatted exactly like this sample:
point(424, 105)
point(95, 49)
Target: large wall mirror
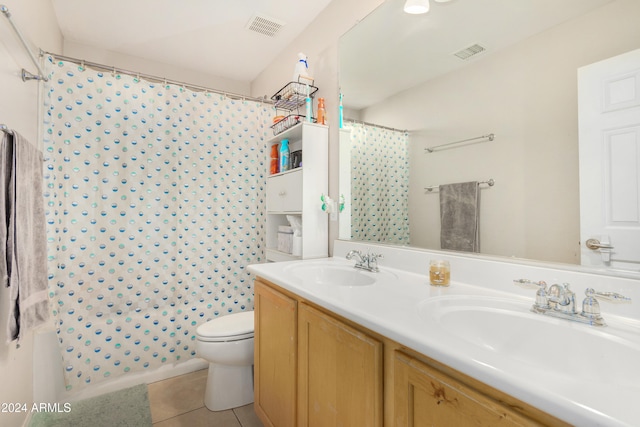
point(463, 71)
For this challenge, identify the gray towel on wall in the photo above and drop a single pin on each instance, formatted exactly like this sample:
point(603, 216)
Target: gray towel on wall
point(6, 166)
point(25, 248)
point(459, 216)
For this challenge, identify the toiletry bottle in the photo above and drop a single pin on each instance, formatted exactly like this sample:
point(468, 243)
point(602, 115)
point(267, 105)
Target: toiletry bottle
point(321, 114)
point(308, 107)
point(275, 159)
point(340, 114)
point(302, 68)
point(284, 155)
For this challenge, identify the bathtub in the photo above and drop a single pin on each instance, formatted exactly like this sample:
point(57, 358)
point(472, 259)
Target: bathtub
point(48, 378)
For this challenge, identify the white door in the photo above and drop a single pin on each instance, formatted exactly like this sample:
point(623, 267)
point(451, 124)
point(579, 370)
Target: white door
point(609, 133)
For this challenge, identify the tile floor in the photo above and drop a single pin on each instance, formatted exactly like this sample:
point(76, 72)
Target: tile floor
point(179, 401)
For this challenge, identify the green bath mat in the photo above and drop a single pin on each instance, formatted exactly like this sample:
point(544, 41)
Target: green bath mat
point(123, 408)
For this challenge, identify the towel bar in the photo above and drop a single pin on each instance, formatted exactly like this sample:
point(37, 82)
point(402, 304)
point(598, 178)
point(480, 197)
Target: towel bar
point(489, 137)
point(490, 182)
point(5, 129)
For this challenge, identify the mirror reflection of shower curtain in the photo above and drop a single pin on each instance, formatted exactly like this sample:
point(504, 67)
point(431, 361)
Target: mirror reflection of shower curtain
point(379, 184)
point(154, 209)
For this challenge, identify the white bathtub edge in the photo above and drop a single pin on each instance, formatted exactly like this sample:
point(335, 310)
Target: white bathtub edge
point(49, 386)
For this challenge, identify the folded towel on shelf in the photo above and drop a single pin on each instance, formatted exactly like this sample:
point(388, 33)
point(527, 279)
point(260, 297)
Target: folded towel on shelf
point(26, 252)
point(459, 216)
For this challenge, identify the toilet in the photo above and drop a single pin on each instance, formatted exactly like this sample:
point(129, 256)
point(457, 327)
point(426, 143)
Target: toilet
point(227, 344)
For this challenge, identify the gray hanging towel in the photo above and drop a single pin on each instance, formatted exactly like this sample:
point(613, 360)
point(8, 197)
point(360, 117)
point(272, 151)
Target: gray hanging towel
point(459, 216)
point(6, 166)
point(26, 251)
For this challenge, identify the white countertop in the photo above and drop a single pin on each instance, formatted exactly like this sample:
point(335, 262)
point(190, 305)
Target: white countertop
point(390, 307)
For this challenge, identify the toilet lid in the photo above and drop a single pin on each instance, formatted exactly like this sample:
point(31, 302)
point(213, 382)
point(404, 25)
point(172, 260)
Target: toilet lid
point(237, 325)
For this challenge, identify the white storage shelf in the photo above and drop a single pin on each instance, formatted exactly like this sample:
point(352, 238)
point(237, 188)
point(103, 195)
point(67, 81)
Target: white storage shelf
point(298, 191)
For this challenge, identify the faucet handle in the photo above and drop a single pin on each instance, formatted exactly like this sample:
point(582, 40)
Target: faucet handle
point(375, 257)
point(608, 296)
point(373, 261)
point(591, 307)
point(529, 284)
point(542, 300)
point(352, 253)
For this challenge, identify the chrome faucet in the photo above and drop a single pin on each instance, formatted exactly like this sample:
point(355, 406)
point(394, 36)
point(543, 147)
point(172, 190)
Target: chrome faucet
point(368, 262)
point(560, 301)
point(561, 298)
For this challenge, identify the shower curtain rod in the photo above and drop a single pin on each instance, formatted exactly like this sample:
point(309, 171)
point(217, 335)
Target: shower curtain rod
point(150, 77)
point(25, 74)
point(373, 124)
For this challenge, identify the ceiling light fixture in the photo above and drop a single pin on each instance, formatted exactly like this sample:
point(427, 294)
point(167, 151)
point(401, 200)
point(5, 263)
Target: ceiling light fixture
point(416, 7)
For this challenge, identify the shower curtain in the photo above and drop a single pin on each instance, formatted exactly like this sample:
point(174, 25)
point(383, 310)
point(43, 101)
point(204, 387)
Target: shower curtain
point(379, 184)
point(155, 206)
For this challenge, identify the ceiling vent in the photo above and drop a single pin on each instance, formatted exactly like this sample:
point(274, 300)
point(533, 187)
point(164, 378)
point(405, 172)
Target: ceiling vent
point(470, 51)
point(264, 25)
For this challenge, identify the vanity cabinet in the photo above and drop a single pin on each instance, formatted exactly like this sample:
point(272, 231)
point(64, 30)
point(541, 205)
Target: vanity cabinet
point(339, 373)
point(275, 356)
point(298, 192)
point(316, 368)
point(311, 369)
point(424, 396)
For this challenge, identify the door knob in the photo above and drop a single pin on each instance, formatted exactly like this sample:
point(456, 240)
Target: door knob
point(595, 244)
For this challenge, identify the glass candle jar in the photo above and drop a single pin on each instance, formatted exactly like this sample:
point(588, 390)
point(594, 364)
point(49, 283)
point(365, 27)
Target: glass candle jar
point(439, 272)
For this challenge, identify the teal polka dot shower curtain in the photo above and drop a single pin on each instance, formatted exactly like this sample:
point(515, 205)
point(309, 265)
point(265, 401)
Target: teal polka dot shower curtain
point(379, 184)
point(155, 205)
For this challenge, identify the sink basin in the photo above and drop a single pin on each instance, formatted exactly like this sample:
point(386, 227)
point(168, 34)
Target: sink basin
point(495, 329)
point(336, 275)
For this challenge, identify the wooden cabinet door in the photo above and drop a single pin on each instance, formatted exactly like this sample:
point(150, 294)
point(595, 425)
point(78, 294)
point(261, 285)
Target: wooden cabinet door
point(425, 396)
point(339, 373)
point(275, 357)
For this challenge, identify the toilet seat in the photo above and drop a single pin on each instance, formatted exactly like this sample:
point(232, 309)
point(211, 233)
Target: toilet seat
point(231, 327)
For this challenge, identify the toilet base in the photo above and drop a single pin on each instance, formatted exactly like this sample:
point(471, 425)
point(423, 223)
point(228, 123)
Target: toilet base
point(228, 386)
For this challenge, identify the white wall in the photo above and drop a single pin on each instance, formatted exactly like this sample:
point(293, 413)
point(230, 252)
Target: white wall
point(19, 111)
point(527, 96)
point(320, 43)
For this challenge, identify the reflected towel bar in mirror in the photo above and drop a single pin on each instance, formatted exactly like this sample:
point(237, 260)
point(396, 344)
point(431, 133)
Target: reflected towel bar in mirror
point(490, 182)
point(488, 137)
